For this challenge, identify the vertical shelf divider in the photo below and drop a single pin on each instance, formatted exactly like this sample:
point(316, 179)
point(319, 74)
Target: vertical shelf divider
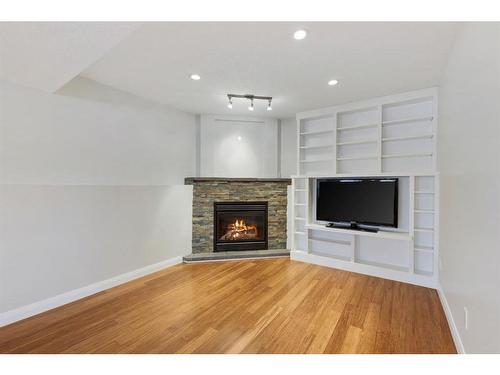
point(411, 225)
point(379, 132)
point(334, 146)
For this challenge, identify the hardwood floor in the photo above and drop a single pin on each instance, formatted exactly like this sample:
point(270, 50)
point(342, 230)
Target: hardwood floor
point(251, 306)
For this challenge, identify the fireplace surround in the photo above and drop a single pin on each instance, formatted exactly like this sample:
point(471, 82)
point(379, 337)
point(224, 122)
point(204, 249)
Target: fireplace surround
point(210, 190)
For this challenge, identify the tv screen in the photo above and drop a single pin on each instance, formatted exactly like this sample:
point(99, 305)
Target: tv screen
point(369, 201)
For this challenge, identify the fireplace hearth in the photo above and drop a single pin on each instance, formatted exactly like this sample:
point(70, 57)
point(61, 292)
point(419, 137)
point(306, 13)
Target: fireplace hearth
point(240, 226)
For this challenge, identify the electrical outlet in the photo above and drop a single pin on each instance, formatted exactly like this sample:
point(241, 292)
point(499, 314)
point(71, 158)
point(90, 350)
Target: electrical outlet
point(466, 318)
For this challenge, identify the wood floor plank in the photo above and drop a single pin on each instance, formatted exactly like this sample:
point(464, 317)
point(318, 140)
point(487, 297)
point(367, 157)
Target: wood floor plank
point(247, 306)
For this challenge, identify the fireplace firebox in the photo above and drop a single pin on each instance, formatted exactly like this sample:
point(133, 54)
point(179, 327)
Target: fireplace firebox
point(240, 226)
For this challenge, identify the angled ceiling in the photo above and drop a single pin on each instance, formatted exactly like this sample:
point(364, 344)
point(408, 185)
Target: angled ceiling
point(46, 55)
point(155, 60)
point(368, 59)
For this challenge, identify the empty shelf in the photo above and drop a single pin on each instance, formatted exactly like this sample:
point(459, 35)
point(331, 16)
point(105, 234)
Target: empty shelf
point(383, 265)
point(334, 256)
point(300, 204)
point(428, 230)
point(423, 273)
point(347, 243)
point(390, 139)
point(300, 233)
point(424, 249)
point(315, 161)
point(408, 120)
point(317, 132)
point(405, 155)
point(424, 211)
point(358, 158)
point(313, 147)
point(357, 127)
point(423, 192)
point(299, 218)
point(300, 190)
point(357, 142)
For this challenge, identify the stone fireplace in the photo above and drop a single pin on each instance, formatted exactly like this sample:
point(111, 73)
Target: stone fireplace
point(232, 214)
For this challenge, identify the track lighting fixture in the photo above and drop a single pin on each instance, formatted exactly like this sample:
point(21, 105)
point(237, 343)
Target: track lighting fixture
point(251, 98)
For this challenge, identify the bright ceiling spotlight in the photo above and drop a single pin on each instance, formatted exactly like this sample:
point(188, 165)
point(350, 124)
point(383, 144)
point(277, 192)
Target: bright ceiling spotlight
point(195, 77)
point(250, 108)
point(269, 108)
point(300, 34)
point(332, 82)
point(230, 104)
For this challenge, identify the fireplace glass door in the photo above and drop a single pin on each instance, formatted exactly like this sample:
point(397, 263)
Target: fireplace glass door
point(240, 226)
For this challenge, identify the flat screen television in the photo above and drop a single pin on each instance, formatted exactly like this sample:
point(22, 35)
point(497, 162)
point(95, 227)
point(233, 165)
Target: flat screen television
point(365, 201)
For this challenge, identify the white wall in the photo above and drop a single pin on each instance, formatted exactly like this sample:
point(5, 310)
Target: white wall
point(469, 162)
point(91, 134)
point(60, 238)
point(238, 147)
point(91, 187)
point(288, 147)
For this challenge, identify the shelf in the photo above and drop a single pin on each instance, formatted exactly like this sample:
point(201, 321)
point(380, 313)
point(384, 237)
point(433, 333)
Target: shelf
point(316, 161)
point(408, 120)
point(299, 218)
point(300, 204)
point(339, 257)
point(425, 230)
point(300, 190)
point(317, 132)
point(300, 233)
point(347, 243)
point(358, 158)
point(391, 139)
point(424, 211)
point(313, 147)
point(357, 142)
point(424, 249)
point(423, 192)
point(365, 126)
point(383, 265)
point(423, 273)
point(405, 155)
point(380, 234)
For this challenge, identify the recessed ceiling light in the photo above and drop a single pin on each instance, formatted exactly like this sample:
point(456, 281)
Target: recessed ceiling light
point(300, 34)
point(332, 82)
point(195, 77)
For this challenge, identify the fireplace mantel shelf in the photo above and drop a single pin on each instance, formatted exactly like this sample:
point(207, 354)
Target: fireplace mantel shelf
point(192, 180)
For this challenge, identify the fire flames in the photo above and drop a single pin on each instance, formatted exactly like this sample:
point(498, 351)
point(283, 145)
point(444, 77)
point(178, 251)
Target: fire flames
point(239, 230)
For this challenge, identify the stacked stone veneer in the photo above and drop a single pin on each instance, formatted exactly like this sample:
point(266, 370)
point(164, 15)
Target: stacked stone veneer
point(206, 191)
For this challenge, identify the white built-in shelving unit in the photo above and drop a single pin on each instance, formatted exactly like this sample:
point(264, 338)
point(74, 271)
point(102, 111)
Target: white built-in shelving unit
point(393, 136)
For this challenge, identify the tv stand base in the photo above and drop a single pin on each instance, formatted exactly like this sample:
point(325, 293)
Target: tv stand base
point(352, 226)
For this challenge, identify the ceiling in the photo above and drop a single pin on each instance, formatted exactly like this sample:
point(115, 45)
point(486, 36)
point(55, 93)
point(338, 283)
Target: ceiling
point(155, 60)
point(46, 55)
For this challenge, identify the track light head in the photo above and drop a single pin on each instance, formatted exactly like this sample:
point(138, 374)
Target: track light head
point(250, 97)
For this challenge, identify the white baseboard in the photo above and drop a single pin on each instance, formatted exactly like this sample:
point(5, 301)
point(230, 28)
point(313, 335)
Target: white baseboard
point(385, 273)
point(451, 322)
point(24, 312)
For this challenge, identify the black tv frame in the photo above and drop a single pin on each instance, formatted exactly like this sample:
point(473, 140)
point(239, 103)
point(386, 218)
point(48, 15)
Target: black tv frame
point(356, 225)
